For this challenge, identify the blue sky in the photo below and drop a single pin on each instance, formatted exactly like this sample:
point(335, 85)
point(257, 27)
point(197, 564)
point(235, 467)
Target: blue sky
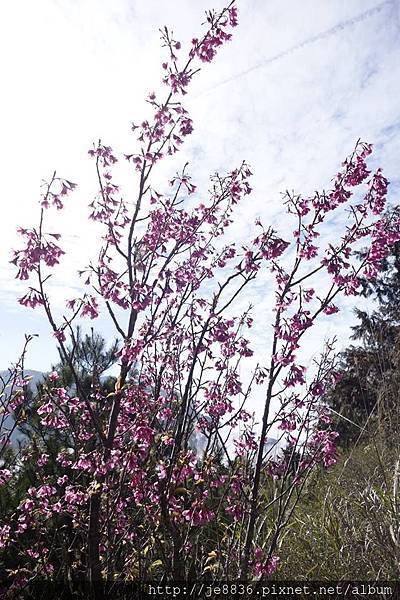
point(291, 94)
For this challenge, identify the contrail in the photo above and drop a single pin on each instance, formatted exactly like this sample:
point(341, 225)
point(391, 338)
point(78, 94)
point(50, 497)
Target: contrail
point(319, 36)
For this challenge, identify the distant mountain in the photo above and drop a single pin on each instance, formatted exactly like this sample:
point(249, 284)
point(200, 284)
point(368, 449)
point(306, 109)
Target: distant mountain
point(35, 377)
point(197, 442)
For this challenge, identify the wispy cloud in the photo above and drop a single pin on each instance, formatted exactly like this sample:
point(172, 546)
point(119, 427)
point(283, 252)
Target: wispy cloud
point(80, 71)
point(307, 42)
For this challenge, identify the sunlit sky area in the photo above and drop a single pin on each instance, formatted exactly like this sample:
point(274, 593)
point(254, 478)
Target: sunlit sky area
point(291, 93)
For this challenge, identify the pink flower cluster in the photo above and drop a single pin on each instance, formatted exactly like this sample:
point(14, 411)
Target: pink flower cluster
point(38, 249)
point(51, 196)
point(263, 566)
point(206, 48)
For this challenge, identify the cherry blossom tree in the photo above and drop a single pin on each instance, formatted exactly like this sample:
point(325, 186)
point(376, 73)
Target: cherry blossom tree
point(131, 496)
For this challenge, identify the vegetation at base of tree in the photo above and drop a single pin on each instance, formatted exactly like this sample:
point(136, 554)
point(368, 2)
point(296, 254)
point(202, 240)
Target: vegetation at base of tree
point(347, 525)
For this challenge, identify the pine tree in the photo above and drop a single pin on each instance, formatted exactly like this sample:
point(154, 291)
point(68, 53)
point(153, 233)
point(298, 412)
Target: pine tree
point(367, 394)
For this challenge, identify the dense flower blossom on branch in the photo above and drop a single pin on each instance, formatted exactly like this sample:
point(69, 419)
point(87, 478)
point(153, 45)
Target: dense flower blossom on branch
point(144, 473)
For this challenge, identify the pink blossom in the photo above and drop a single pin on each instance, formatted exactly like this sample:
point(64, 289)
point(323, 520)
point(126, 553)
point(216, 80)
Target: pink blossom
point(90, 307)
point(5, 476)
point(45, 491)
point(43, 460)
point(330, 309)
point(4, 535)
point(264, 566)
point(32, 299)
point(295, 376)
point(59, 334)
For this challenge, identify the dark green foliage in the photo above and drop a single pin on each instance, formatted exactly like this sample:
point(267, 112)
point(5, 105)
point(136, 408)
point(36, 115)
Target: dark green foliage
point(89, 358)
point(367, 394)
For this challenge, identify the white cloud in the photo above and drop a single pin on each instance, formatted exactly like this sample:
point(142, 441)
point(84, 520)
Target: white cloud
point(292, 92)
